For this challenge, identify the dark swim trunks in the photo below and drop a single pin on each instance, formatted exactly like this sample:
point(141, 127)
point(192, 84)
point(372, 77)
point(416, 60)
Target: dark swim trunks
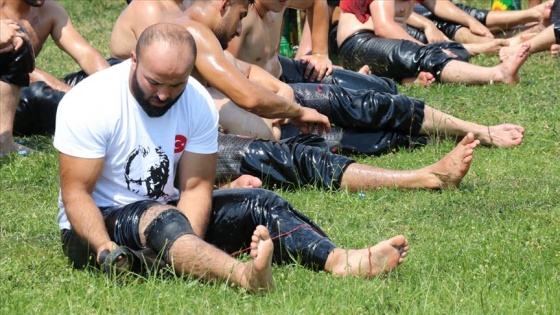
point(15, 66)
point(557, 32)
point(394, 58)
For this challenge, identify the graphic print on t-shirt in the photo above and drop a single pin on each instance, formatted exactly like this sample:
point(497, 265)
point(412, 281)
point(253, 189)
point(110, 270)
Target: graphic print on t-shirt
point(147, 172)
point(180, 143)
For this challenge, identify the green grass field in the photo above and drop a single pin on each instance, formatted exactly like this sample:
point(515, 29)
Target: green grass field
point(490, 247)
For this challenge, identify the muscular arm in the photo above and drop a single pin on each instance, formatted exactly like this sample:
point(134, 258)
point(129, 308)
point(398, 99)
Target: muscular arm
point(67, 38)
point(258, 75)
point(195, 176)
point(433, 34)
point(78, 177)
point(212, 64)
point(445, 9)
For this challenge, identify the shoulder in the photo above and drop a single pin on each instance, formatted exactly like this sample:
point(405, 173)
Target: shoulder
point(102, 84)
point(51, 9)
point(144, 9)
point(197, 92)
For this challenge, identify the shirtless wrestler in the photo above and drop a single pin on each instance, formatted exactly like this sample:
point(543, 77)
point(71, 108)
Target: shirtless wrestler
point(233, 87)
point(374, 33)
point(261, 33)
point(40, 19)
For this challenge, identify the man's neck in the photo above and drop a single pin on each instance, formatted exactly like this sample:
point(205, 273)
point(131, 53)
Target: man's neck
point(181, 4)
point(14, 9)
point(261, 11)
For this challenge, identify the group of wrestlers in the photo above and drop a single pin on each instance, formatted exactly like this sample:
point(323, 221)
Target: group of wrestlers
point(290, 123)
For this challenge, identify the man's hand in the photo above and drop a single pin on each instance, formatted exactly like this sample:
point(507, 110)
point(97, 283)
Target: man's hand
point(243, 181)
point(311, 119)
point(318, 66)
point(11, 38)
point(434, 35)
point(478, 28)
point(105, 249)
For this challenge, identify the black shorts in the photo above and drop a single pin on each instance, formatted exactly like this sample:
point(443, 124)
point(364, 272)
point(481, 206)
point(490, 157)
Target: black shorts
point(121, 223)
point(15, 66)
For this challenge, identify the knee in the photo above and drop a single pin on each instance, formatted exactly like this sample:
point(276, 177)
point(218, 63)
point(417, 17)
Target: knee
point(165, 229)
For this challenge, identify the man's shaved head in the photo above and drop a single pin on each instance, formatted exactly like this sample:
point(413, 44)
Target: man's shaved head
point(172, 34)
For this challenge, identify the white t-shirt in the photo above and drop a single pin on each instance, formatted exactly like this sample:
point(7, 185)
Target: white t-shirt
point(100, 118)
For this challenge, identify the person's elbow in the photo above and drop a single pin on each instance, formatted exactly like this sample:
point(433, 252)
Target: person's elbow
point(383, 31)
point(249, 101)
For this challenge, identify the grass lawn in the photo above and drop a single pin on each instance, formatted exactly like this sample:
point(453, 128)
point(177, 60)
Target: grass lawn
point(492, 246)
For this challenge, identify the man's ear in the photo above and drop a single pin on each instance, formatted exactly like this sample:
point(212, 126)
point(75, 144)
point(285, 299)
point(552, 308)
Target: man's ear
point(134, 58)
point(223, 6)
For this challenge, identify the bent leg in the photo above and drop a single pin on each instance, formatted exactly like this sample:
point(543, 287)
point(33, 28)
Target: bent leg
point(191, 255)
point(8, 103)
point(36, 110)
point(238, 121)
point(295, 236)
point(235, 213)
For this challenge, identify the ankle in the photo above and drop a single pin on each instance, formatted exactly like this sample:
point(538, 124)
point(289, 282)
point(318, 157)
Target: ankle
point(335, 258)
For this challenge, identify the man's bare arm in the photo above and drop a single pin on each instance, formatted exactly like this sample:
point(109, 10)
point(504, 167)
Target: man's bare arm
point(446, 10)
point(67, 38)
point(432, 33)
point(213, 66)
point(260, 76)
point(78, 177)
point(317, 14)
point(195, 177)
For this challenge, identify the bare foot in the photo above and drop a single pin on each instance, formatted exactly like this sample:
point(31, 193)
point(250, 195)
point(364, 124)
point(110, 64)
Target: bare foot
point(424, 79)
point(6, 148)
point(243, 181)
point(259, 276)
point(491, 47)
point(555, 51)
point(452, 168)
point(365, 70)
point(516, 41)
point(505, 135)
point(507, 71)
point(543, 11)
point(368, 262)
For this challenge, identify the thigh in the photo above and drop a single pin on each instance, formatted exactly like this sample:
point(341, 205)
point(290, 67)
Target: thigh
point(236, 120)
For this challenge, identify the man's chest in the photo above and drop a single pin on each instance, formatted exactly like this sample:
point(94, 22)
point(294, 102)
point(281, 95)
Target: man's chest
point(38, 30)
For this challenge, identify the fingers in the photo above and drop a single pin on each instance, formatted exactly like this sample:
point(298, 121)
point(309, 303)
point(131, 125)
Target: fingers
point(317, 66)
point(105, 250)
point(6, 48)
point(310, 73)
point(18, 42)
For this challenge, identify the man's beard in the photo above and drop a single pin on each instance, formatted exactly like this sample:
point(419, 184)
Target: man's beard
point(222, 36)
point(151, 110)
